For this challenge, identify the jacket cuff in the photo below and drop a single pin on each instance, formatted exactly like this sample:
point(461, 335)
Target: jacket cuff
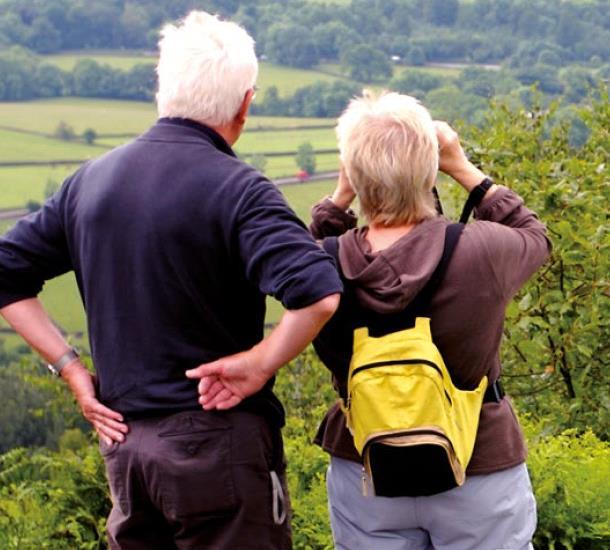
point(330, 220)
point(496, 207)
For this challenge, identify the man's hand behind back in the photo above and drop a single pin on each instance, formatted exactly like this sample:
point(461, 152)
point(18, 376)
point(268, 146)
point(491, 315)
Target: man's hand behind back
point(226, 382)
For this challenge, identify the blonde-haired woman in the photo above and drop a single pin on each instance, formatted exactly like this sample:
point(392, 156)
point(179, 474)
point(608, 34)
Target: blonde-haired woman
point(391, 151)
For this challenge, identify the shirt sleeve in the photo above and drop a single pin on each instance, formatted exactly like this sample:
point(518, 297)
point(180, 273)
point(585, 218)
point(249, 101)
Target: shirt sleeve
point(328, 220)
point(33, 251)
point(280, 256)
point(516, 241)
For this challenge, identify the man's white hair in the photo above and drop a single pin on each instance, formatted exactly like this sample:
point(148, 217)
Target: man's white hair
point(205, 68)
point(389, 149)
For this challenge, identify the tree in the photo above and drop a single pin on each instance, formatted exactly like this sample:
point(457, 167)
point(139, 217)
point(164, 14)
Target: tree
point(545, 76)
point(289, 44)
point(557, 340)
point(64, 131)
point(89, 135)
point(441, 12)
point(50, 81)
point(306, 158)
point(332, 37)
point(409, 81)
point(450, 103)
point(367, 64)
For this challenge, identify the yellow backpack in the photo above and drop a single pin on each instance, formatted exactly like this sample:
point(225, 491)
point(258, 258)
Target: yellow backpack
point(414, 429)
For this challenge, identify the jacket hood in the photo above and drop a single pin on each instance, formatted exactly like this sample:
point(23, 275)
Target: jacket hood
point(386, 281)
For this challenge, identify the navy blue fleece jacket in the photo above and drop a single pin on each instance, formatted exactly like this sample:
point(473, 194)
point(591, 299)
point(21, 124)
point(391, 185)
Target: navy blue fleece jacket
point(175, 243)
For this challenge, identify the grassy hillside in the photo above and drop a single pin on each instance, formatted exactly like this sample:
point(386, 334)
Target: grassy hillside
point(19, 185)
point(103, 115)
point(116, 59)
point(108, 116)
point(115, 121)
point(18, 146)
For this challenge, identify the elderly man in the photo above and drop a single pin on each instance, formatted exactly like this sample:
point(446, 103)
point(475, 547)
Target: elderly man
point(175, 243)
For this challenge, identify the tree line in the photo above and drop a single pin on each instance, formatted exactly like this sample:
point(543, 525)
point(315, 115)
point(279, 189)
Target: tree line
point(24, 76)
point(302, 33)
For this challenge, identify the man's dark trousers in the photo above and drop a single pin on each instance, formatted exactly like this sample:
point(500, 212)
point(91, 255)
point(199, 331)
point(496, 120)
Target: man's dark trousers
point(195, 480)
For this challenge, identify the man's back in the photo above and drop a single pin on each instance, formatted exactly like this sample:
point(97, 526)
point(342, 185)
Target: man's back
point(173, 240)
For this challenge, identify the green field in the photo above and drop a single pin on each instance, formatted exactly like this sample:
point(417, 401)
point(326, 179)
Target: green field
point(19, 185)
point(103, 115)
point(288, 140)
point(108, 116)
point(287, 79)
point(334, 69)
point(126, 61)
point(18, 146)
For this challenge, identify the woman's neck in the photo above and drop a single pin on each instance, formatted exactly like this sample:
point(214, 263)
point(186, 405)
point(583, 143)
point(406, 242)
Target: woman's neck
point(381, 237)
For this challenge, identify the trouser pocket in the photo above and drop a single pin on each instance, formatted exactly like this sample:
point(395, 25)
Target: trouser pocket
point(194, 466)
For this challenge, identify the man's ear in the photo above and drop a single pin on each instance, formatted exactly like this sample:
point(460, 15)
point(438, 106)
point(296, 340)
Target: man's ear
point(242, 113)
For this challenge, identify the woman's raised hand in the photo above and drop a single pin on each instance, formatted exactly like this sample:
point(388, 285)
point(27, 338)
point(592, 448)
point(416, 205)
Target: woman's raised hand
point(344, 193)
point(453, 160)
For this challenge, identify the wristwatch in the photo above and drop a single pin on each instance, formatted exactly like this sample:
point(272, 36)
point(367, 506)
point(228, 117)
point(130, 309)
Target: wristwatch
point(66, 358)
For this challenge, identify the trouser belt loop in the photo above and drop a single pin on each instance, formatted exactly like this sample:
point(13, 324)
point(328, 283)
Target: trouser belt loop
point(279, 499)
point(277, 464)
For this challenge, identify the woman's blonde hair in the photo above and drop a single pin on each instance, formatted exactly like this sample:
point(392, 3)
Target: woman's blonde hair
point(389, 149)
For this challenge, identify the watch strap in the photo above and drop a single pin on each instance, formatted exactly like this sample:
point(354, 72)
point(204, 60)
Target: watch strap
point(66, 358)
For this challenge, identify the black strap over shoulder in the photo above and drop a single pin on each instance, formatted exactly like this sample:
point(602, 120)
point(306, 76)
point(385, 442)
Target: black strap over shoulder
point(453, 232)
point(420, 304)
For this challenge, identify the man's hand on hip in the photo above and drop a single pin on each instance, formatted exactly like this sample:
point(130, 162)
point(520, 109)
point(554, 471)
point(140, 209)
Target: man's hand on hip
point(107, 423)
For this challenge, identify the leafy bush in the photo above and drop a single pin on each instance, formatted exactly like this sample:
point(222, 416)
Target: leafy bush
point(557, 343)
point(52, 500)
point(570, 474)
point(304, 388)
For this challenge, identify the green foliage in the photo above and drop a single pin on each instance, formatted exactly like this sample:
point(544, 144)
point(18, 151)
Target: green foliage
point(306, 158)
point(290, 44)
point(366, 63)
point(570, 473)
point(64, 131)
point(32, 206)
point(52, 500)
point(89, 135)
point(304, 388)
point(557, 340)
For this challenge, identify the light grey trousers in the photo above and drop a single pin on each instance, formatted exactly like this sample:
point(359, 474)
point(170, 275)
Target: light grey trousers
point(489, 512)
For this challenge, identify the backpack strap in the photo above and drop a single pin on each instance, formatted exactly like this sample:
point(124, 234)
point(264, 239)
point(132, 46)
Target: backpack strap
point(453, 232)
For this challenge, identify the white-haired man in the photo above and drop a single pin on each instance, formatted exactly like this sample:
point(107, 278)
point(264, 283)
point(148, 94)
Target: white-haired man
point(175, 243)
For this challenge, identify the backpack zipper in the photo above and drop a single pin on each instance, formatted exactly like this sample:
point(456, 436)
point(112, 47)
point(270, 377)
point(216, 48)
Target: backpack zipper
point(397, 362)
